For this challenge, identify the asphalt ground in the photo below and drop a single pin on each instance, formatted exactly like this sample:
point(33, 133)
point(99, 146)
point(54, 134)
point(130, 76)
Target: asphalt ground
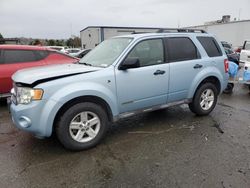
point(168, 148)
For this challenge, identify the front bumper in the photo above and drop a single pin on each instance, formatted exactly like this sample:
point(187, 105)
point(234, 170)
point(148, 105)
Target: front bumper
point(36, 117)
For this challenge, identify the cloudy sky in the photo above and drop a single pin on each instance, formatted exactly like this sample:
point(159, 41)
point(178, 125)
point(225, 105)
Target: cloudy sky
point(62, 18)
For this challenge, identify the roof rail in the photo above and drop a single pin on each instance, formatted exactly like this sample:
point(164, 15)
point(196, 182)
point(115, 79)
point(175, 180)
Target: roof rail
point(141, 32)
point(180, 30)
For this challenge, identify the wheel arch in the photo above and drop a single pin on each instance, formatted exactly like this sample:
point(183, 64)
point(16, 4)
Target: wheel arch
point(212, 79)
point(87, 98)
point(209, 79)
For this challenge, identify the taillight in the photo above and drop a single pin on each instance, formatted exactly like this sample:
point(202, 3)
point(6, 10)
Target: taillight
point(226, 65)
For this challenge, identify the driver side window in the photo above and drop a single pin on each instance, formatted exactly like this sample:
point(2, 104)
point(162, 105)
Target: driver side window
point(149, 52)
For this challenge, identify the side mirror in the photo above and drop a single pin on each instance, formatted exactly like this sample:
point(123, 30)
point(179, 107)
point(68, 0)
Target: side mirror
point(130, 63)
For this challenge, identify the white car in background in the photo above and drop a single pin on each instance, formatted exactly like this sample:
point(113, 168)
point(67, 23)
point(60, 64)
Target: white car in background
point(73, 51)
point(245, 54)
point(81, 53)
point(59, 48)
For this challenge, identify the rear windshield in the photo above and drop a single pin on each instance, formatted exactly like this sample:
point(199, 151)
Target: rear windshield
point(211, 46)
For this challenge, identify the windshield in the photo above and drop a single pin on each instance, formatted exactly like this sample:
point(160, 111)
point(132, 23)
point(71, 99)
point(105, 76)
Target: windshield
point(106, 53)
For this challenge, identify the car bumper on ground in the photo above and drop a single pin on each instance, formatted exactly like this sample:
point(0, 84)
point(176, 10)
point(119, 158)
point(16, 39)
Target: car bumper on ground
point(29, 118)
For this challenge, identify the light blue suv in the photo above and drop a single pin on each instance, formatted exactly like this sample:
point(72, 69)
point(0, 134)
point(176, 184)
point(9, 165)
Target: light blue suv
point(121, 77)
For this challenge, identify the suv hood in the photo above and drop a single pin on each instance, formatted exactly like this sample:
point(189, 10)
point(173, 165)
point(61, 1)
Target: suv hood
point(50, 72)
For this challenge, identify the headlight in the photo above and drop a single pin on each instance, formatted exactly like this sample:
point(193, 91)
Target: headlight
point(25, 95)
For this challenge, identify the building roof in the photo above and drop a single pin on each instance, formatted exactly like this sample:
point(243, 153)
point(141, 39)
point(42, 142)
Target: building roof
point(231, 22)
point(116, 27)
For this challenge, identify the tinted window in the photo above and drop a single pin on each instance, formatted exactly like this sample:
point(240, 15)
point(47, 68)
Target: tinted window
point(211, 46)
point(41, 54)
point(17, 56)
point(181, 49)
point(1, 58)
point(149, 52)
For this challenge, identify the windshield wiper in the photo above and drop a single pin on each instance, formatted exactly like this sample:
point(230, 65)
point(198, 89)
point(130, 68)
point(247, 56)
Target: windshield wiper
point(87, 64)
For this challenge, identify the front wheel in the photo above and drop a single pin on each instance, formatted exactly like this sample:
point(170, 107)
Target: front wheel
point(82, 126)
point(204, 99)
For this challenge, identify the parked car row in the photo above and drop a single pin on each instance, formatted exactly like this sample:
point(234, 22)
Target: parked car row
point(75, 52)
point(240, 54)
point(59, 48)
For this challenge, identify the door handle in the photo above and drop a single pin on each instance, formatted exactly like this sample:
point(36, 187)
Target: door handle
point(198, 66)
point(159, 72)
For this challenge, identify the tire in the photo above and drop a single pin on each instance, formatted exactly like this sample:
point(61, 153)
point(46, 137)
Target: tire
point(229, 88)
point(205, 90)
point(75, 130)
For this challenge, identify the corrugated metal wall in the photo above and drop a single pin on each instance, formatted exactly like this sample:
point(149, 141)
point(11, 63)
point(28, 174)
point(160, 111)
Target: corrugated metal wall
point(233, 32)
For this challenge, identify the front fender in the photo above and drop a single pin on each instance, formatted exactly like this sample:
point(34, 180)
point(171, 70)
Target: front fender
point(69, 92)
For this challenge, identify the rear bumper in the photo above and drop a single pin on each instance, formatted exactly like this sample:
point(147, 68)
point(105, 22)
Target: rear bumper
point(5, 95)
point(224, 82)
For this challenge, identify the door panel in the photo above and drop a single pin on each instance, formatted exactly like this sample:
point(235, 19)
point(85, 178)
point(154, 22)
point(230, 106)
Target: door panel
point(181, 76)
point(139, 88)
point(147, 85)
point(185, 63)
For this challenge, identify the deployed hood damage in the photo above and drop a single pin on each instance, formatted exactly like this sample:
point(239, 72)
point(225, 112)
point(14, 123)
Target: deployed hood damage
point(37, 75)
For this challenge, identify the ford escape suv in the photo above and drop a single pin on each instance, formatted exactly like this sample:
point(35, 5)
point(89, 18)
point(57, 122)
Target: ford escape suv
point(121, 77)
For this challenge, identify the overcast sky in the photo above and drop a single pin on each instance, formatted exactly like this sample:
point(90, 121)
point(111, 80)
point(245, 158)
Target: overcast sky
point(61, 18)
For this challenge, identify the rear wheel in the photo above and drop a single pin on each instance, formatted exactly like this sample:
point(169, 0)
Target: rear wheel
point(82, 126)
point(229, 88)
point(204, 99)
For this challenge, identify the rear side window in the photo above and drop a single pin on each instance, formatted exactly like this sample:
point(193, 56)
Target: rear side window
point(211, 46)
point(181, 49)
point(18, 56)
point(41, 54)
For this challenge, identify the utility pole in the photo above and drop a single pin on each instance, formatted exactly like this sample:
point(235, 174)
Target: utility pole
point(70, 29)
point(239, 14)
point(179, 23)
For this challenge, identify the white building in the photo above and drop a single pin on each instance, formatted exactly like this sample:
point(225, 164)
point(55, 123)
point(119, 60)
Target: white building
point(91, 36)
point(234, 32)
